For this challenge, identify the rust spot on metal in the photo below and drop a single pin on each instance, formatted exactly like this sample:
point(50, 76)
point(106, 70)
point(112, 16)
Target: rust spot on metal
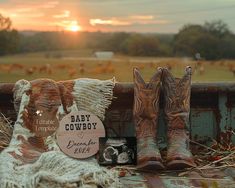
point(230, 100)
point(218, 118)
point(123, 88)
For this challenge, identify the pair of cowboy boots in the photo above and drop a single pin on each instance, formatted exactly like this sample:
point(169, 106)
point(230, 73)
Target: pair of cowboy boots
point(176, 109)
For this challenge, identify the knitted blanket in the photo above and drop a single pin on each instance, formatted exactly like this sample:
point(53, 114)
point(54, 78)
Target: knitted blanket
point(34, 160)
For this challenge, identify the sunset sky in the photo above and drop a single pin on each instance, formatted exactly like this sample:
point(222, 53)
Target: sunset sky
point(162, 16)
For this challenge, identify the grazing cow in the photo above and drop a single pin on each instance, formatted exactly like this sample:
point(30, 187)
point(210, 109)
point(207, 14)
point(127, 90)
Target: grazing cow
point(109, 68)
point(201, 70)
point(63, 66)
point(6, 68)
point(29, 71)
point(72, 72)
point(81, 68)
point(221, 63)
point(17, 66)
point(230, 67)
point(45, 69)
point(98, 70)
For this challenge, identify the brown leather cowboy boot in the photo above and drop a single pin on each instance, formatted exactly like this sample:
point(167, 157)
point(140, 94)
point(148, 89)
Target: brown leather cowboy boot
point(145, 113)
point(177, 107)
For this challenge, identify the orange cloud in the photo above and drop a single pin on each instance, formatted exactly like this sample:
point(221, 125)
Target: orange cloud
point(71, 25)
point(142, 17)
point(24, 9)
point(145, 22)
point(113, 21)
point(57, 14)
point(131, 20)
point(32, 15)
point(65, 14)
point(50, 4)
point(25, 14)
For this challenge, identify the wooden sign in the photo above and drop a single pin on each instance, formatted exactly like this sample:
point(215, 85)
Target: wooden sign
point(78, 134)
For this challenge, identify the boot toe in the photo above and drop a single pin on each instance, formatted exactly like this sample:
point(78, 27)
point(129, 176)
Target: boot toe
point(150, 166)
point(180, 164)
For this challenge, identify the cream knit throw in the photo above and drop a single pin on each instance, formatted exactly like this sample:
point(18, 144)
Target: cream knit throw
point(53, 168)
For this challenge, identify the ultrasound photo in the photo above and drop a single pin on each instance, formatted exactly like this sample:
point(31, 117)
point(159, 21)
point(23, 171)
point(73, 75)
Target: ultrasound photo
point(117, 151)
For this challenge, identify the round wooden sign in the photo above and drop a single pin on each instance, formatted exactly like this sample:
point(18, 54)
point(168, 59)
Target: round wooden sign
point(78, 134)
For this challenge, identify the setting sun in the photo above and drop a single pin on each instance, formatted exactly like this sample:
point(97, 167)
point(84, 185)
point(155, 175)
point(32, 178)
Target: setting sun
point(74, 28)
point(71, 26)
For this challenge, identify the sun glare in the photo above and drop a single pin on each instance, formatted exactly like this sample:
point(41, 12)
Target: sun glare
point(74, 28)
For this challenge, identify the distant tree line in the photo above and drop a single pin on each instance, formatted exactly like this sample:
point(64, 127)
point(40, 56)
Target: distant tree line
point(9, 38)
point(213, 40)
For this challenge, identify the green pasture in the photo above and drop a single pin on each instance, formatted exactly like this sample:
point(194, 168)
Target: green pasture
point(73, 65)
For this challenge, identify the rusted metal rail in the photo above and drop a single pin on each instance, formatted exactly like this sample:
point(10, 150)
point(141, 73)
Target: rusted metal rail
point(212, 110)
point(120, 88)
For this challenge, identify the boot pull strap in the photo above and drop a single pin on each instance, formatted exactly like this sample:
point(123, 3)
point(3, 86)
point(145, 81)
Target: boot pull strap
point(138, 80)
point(157, 76)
